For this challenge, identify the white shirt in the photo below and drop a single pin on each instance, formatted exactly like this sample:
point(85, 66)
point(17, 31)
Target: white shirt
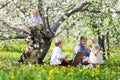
point(57, 56)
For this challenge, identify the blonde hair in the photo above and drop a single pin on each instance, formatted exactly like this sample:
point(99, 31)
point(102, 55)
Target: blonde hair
point(95, 38)
point(35, 11)
point(57, 42)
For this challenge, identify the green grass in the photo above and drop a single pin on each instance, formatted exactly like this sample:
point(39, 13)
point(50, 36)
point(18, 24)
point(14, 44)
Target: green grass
point(11, 70)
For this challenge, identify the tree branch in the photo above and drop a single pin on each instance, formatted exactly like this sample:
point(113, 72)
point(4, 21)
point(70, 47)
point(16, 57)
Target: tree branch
point(63, 29)
point(4, 30)
point(47, 18)
point(41, 11)
point(19, 36)
point(13, 28)
point(98, 11)
point(23, 10)
point(3, 5)
point(81, 8)
point(15, 37)
point(42, 14)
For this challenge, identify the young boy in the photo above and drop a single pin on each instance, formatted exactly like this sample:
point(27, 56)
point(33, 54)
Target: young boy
point(57, 58)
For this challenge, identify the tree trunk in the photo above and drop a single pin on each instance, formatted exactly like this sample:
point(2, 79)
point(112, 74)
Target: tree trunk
point(42, 40)
point(44, 47)
point(103, 45)
point(101, 42)
point(108, 47)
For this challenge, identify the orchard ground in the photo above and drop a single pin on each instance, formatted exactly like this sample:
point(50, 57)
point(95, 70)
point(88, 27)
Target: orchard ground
point(11, 70)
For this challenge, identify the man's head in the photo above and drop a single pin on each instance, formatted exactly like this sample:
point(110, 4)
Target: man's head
point(83, 40)
point(58, 42)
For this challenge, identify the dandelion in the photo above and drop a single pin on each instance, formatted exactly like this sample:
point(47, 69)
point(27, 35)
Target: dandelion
point(63, 67)
point(51, 72)
point(33, 66)
point(68, 65)
point(31, 75)
point(69, 74)
point(97, 78)
point(12, 70)
point(72, 70)
point(18, 72)
point(43, 70)
point(12, 77)
point(93, 73)
point(98, 66)
point(84, 68)
point(98, 72)
point(48, 78)
point(39, 68)
point(21, 63)
point(55, 68)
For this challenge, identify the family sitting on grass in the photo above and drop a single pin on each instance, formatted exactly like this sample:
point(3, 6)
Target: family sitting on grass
point(90, 56)
point(83, 55)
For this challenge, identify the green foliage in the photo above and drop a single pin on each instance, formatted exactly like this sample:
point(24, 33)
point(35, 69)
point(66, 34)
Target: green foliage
point(13, 46)
point(18, 13)
point(11, 70)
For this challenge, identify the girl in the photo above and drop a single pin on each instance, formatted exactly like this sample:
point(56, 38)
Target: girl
point(35, 21)
point(95, 54)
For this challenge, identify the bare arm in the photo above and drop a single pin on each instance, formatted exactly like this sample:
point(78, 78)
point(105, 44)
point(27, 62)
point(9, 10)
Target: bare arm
point(88, 48)
point(63, 57)
point(97, 49)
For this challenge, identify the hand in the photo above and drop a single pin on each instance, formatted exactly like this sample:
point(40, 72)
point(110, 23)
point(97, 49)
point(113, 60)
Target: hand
point(85, 60)
point(38, 27)
point(29, 31)
point(87, 48)
point(90, 46)
point(37, 24)
point(66, 56)
point(95, 54)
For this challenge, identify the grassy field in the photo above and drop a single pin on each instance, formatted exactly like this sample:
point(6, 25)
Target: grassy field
point(10, 69)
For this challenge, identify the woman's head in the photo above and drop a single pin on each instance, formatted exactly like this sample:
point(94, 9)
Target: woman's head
point(58, 42)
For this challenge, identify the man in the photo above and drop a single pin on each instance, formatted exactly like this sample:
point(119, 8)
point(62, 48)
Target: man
point(82, 47)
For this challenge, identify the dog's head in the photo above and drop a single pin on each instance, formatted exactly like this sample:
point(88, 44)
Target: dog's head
point(22, 58)
point(30, 52)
